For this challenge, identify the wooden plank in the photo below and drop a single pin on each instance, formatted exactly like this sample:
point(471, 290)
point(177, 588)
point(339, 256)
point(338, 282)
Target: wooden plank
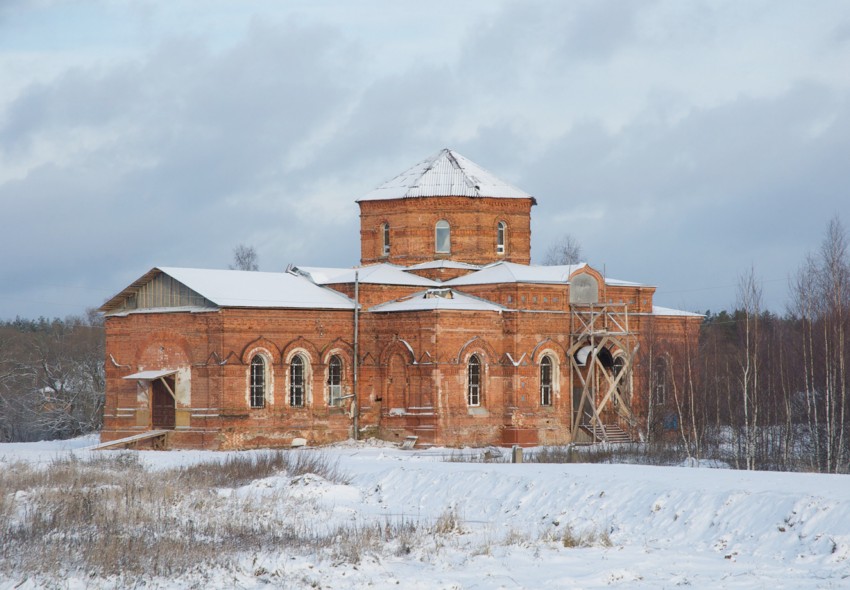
point(130, 439)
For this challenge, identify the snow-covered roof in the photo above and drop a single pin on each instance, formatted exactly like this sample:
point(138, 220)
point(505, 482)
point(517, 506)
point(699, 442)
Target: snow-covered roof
point(445, 263)
point(656, 310)
point(238, 288)
point(446, 173)
point(241, 288)
point(380, 274)
point(441, 299)
point(150, 375)
point(511, 272)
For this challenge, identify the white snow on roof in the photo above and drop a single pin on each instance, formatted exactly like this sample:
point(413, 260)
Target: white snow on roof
point(511, 272)
point(380, 274)
point(150, 375)
point(621, 283)
point(238, 288)
point(656, 310)
point(446, 173)
point(443, 264)
point(442, 299)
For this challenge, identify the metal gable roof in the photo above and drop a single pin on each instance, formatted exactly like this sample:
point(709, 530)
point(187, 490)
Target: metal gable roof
point(438, 299)
point(445, 174)
point(235, 288)
point(378, 274)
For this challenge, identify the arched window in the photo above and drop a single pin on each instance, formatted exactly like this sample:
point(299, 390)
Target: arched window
point(546, 381)
point(442, 237)
point(258, 381)
point(297, 382)
point(473, 381)
point(385, 238)
point(501, 236)
point(334, 380)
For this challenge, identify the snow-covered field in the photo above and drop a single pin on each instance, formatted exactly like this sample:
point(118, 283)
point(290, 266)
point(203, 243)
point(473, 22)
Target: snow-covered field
point(494, 525)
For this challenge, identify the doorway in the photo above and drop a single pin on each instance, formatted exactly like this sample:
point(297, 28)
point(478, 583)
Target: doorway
point(162, 403)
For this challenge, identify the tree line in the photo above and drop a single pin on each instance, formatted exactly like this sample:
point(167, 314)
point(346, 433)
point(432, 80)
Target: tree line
point(52, 379)
point(763, 391)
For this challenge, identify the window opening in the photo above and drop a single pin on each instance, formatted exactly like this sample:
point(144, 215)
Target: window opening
point(501, 230)
point(473, 390)
point(296, 382)
point(258, 382)
point(385, 233)
point(334, 381)
point(546, 381)
point(442, 237)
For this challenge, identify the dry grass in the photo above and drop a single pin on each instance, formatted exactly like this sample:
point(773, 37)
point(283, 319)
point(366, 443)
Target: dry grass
point(109, 517)
point(448, 522)
point(487, 455)
point(236, 470)
point(587, 538)
point(641, 454)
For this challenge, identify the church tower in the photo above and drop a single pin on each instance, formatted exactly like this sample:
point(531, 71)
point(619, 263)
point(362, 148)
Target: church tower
point(445, 208)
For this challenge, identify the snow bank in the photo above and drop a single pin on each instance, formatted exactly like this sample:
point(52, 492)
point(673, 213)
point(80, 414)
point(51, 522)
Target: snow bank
point(649, 527)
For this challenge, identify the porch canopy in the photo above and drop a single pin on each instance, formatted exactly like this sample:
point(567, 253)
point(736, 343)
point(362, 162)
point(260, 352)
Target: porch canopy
point(151, 375)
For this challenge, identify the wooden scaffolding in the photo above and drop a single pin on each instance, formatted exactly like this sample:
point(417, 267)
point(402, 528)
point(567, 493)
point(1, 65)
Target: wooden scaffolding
point(602, 354)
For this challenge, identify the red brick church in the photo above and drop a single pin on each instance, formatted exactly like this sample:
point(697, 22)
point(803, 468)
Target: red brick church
point(445, 332)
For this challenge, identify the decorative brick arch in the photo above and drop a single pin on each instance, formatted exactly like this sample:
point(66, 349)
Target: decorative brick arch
point(260, 343)
point(300, 344)
point(549, 346)
point(476, 345)
point(163, 348)
point(339, 345)
point(397, 346)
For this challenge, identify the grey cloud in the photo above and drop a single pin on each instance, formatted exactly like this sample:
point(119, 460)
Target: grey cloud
point(192, 135)
point(723, 188)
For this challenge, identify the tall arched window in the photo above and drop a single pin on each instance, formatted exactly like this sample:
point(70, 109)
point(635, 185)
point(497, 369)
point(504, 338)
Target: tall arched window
point(334, 380)
point(258, 381)
point(442, 237)
point(501, 236)
point(473, 381)
point(546, 381)
point(297, 385)
point(385, 239)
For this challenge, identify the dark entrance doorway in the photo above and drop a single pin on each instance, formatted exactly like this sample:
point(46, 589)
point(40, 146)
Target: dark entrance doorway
point(162, 403)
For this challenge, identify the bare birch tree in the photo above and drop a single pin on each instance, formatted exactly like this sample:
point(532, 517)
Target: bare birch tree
point(567, 250)
point(244, 258)
point(750, 303)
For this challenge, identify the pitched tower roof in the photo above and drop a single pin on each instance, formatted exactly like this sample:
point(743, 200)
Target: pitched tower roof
point(445, 174)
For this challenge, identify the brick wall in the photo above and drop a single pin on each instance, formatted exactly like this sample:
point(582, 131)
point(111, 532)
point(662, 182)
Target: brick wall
point(473, 222)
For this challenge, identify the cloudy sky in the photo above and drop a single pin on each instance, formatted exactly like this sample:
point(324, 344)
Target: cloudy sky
point(682, 143)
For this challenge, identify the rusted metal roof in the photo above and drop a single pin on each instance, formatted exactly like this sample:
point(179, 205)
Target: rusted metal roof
point(445, 174)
